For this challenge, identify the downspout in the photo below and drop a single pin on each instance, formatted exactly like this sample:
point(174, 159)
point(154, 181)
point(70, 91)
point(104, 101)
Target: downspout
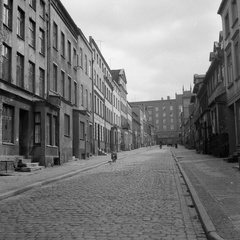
point(93, 106)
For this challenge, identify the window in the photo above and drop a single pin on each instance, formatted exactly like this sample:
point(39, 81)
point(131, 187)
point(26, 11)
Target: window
point(172, 127)
point(69, 88)
point(75, 58)
point(82, 130)
point(94, 77)
point(41, 41)
point(37, 128)
point(95, 104)
point(69, 52)
point(6, 63)
point(157, 115)
point(32, 32)
point(82, 95)
point(90, 96)
point(237, 60)
point(20, 23)
point(42, 9)
point(227, 25)
point(171, 108)
point(54, 84)
point(48, 129)
point(86, 67)
point(55, 132)
point(75, 93)
point(164, 127)
point(31, 77)
point(90, 69)
point(7, 13)
point(66, 125)
point(41, 82)
point(20, 70)
point(55, 35)
point(7, 123)
point(62, 44)
point(229, 68)
point(164, 114)
point(63, 83)
point(86, 99)
point(156, 109)
point(234, 11)
point(81, 57)
point(32, 3)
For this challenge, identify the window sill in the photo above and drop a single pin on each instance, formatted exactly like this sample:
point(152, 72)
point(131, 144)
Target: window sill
point(21, 38)
point(230, 85)
point(8, 143)
point(227, 35)
point(52, 146)
point(8, 27)
point(235, 22)
point(237, 79)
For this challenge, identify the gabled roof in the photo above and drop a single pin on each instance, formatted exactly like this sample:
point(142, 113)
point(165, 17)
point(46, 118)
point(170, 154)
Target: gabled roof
point(118, 72)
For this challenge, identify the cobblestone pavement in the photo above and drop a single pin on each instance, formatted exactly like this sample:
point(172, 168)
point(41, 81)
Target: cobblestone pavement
point(139, 197)
point(217, 184)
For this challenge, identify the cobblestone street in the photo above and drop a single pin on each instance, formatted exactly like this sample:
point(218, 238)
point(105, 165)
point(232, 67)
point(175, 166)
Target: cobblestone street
point(140, 197)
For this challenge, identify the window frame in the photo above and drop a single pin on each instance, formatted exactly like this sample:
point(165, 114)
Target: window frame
point(8, 121)
point(32, 33)
point(66, 125)
point(6, 62)
point(31, 77)
point(37, 129)
point(55, 35)
point(20, 70)
point(41, 82)
point(20, 23)
point(41, 41)
point(7, 14)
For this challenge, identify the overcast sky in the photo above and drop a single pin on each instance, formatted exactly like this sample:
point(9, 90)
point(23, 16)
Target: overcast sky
point(160, 44)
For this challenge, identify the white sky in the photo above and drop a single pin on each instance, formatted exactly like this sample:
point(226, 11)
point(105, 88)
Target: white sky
point(160, 44)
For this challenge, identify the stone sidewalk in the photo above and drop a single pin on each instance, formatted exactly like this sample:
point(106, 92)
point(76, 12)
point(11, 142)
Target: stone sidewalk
point(216, 183)
point(17, 182)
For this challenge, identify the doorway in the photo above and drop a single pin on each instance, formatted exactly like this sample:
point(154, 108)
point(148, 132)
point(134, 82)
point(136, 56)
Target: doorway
point(23, 132)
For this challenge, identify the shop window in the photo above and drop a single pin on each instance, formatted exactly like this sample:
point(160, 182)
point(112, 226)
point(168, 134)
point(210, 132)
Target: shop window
point(67, 125)
point(82, 130)
point(7, 123)
point(37, 128)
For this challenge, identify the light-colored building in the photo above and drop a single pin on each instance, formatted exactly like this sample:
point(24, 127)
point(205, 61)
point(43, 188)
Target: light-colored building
point(82, 111)
point(165, 116)
point(116, 129)
point(119, 77)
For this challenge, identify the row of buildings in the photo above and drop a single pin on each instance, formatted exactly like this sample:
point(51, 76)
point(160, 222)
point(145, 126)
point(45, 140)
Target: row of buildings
point(213, 124)
point(59, 99)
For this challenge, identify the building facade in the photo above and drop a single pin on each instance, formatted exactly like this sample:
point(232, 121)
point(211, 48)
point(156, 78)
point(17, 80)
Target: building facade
point(230, 12)
point(25, 102)
point(164, 116)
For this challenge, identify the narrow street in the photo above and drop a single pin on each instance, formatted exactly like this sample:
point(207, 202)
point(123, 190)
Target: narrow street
point(140, 197)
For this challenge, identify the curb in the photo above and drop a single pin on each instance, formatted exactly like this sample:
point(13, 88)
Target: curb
point(204, 217)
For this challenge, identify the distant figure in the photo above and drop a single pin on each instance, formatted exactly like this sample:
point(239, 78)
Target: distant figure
point(20, 165)
point(160, 145)
point(114, 156)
